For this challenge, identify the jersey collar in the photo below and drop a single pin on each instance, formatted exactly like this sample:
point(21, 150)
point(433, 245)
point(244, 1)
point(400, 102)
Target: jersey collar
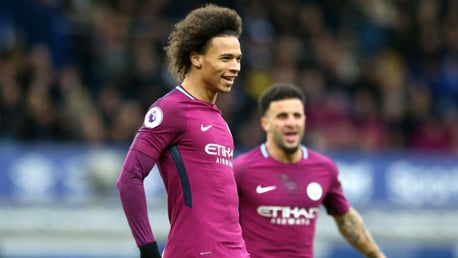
point(265, 153)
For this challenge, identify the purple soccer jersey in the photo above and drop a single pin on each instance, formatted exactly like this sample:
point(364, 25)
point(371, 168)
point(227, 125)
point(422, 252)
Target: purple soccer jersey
point(279, 202)
point(193, 148)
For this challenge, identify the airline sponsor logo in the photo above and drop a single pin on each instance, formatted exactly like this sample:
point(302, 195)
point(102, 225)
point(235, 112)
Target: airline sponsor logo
point(285, 215)
point(222, 153)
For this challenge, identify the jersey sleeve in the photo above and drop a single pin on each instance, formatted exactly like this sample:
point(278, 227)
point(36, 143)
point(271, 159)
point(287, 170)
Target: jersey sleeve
point(159, 130)
point(132, 194)
point(162, 125)
point(335, 202)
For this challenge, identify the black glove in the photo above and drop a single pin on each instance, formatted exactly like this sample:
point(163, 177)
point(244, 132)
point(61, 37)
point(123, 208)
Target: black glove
point(150, 250)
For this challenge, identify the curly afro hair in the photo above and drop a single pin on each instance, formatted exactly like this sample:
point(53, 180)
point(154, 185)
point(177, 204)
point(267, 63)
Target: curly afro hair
point(195, 31)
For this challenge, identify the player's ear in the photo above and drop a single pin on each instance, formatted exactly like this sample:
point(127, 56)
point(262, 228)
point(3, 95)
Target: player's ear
point(264, 123)
point(196, 59)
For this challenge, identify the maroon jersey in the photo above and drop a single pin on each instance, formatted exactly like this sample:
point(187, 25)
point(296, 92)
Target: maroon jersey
point(191, 143)
point(279, 203)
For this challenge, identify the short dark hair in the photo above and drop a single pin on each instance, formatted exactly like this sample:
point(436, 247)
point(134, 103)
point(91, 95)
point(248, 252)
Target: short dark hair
point(279, 91)
point(194, 32)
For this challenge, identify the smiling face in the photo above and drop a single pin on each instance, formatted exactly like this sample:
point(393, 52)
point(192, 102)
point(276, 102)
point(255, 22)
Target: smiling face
point(284, 123)
point(220, 64)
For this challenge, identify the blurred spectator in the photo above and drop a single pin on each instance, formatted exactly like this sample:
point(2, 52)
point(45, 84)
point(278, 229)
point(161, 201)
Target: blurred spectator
point(11, 102)
point(378, 75)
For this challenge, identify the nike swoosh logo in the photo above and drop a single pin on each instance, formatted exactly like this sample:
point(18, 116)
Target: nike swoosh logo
point(205, 128)
point(265, 189)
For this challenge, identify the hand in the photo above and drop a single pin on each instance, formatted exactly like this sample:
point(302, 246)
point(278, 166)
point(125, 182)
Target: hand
point(150, 251)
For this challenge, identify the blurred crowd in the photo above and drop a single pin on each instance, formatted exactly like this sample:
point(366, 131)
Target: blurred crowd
point(379, 75)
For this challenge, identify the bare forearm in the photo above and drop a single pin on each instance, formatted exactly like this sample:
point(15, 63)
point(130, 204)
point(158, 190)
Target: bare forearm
point(352, 228)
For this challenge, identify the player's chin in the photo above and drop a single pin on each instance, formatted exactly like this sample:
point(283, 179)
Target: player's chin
point(290, 148)
point(225, 88)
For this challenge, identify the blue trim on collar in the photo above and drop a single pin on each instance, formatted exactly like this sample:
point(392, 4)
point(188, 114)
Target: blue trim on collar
point(265, 153)
point(182, 90)
point(305, 152)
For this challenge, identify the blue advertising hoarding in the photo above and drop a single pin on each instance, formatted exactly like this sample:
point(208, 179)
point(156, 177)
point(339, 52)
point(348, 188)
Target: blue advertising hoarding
point(68, 173)
point(402, 179)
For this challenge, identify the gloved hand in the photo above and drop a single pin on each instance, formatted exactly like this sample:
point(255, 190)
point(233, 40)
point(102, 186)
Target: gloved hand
point(150, 251)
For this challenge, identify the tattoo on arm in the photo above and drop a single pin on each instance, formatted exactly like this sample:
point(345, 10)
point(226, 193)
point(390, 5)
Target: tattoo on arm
point(372, 254)
point(349, 227)
point(352, 228)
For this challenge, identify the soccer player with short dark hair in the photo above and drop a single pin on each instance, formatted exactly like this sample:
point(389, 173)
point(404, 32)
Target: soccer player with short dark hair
point(282, 185)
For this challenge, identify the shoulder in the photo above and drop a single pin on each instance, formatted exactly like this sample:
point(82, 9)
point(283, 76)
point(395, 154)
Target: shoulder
point(167, 111)
point(322, 160)
point(174, 100)
point(247, 156)
point(247, 159)
point(318, 156)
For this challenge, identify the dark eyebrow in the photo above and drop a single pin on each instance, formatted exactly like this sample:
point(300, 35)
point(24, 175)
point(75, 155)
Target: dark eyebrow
point(230, 55)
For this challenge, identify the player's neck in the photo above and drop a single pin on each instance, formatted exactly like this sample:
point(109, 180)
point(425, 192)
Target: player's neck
point(280, 155)
point(198, 89)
